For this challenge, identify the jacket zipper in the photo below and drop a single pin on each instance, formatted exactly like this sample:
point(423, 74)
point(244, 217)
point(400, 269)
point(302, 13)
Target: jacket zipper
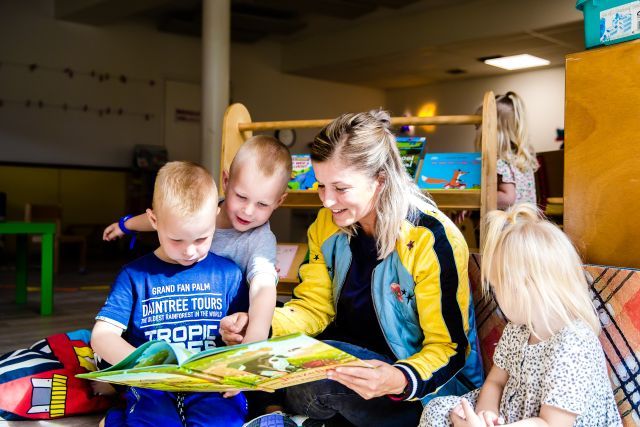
point(375, 308)
point(337, 298)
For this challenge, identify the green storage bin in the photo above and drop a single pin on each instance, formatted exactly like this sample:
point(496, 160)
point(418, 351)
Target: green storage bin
point(610, 21)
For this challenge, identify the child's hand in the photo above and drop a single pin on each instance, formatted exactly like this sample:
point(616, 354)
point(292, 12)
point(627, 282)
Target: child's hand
point(102, 389)
point(490, 418)
point(112, 232)
point(233, 328)
point(468, 419)
point(228, 394)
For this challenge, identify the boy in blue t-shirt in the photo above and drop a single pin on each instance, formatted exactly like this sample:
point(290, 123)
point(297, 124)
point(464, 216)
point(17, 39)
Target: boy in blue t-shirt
point(255, 185)
point(179, 293)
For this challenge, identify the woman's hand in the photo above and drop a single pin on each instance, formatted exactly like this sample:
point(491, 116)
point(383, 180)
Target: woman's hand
point(369, 383)
point(233, 327)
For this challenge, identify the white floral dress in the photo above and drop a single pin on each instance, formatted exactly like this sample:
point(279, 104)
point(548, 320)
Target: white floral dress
point(524, 181)
point(567, 371)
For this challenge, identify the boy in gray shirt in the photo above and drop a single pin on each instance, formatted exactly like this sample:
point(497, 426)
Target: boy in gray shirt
point(254, 187)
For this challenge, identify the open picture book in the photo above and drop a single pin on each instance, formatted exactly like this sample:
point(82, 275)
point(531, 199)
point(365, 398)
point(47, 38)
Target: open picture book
point(266, 365)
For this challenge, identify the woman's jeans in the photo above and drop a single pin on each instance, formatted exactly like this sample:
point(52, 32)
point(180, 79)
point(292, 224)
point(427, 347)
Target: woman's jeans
point(326, 398)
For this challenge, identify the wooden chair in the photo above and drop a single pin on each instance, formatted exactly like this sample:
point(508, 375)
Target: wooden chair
point(53, 213)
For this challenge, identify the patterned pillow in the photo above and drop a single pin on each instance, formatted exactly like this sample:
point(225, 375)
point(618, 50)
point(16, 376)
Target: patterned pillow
point(616, 295)
point(39, 382)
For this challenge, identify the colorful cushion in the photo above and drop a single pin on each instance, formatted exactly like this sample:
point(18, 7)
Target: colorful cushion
point(616, 294)
point(40, 383)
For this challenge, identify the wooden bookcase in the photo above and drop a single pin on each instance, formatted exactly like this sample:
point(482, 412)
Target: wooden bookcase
point(602, 154)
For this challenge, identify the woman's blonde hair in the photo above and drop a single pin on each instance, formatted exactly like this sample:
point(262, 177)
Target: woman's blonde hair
point(513, 134)
point(363, 141)
point(534, 268)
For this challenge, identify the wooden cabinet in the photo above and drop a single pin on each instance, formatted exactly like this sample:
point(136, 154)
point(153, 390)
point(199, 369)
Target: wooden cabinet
point(602, 154)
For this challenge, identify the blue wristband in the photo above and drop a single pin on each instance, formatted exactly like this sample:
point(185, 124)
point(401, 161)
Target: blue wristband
point(123, 227)
point(125, 230)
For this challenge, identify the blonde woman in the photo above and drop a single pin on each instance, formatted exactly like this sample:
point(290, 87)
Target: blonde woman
point(386, 281)
point(516, 157)
point(549, 368)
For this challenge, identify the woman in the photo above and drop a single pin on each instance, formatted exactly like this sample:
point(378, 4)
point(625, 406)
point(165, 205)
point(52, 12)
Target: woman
point(386, 281)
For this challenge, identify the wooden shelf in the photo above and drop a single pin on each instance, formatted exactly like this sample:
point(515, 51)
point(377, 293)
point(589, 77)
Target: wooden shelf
point(302, 200)
point(445, 199)
point(457, 199)
point(237, 127)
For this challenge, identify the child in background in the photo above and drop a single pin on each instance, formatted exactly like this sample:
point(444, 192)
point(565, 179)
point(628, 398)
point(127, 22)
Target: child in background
point(549, 367)
point(178, 293)
point(516, 162)
point(516, 157)
point(254, 186)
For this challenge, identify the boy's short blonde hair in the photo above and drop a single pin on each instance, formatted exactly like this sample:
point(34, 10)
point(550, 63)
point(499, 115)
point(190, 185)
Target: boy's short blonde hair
point(267, 154)
point(534, 268)
point(184, 188)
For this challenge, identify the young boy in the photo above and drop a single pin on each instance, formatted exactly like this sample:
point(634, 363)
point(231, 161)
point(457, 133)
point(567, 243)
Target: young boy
point(178, 293)
point(254, 186)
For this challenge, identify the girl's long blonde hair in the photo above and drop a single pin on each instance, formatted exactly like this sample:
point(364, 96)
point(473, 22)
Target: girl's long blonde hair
point(513, 134)
point(534, 268)
point(364, 142)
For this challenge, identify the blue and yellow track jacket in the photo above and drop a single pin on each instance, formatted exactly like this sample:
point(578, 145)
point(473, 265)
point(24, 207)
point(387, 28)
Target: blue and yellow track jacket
point(420, 293)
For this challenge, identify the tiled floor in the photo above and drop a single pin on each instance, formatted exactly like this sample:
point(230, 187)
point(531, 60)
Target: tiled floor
point(77, 299)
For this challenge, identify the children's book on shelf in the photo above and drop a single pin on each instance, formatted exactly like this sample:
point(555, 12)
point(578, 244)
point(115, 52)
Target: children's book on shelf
point(302, 175)
point(450, 171)
point(266, 365)
point(410, 148)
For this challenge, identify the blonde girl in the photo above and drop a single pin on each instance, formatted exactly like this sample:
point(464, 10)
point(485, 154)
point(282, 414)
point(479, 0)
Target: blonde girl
point(549, 368)
point(516, 157)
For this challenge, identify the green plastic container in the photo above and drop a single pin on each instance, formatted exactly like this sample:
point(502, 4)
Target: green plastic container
point(610, 21)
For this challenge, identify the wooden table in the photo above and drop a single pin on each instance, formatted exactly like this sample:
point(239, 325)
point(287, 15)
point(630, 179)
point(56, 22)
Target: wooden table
point(22, 230)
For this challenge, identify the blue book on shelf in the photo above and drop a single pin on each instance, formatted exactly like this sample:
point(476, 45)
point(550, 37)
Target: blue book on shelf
point(410, 148)
point(302, 175)
point(450, 171)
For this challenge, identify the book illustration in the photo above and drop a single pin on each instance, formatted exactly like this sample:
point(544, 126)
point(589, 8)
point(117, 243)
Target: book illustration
point(451, 171)
point(410, 148)
point(620, 22)
point(455, 182)
point(302, 175)
point(266, 365)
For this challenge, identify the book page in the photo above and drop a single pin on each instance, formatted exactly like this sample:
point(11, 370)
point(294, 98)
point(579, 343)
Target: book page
point(284, 258)
point(265, 365)
point(275, 363)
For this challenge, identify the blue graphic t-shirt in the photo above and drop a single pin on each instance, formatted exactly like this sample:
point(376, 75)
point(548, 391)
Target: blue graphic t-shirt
point(152, 299)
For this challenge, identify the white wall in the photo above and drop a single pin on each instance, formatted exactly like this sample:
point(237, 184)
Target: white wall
point(541, 90)
point(271, 95)
point(30, 34)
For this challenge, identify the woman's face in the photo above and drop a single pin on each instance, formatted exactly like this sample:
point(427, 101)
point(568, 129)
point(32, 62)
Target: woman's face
point(350, 194)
